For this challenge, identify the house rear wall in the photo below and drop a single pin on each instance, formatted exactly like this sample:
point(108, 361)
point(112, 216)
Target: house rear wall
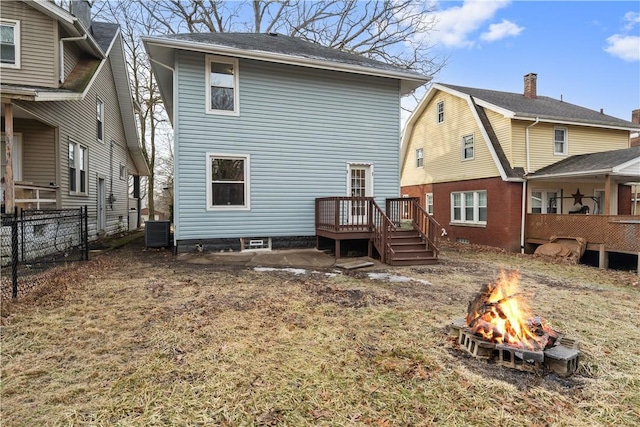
point(300, 126)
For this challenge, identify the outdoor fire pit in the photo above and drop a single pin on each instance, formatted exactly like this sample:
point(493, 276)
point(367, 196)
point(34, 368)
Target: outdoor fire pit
point(499, 327)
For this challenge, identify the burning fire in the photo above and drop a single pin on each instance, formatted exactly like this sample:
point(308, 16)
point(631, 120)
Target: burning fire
point(499, 313)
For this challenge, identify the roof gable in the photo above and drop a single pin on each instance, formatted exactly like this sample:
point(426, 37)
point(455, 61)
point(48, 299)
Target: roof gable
point(283, 49)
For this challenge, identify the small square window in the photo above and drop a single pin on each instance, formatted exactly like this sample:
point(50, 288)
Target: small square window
point(467, 147)
point(440, 109)
point(419, 157)
point(9, 43)
point(123, 172)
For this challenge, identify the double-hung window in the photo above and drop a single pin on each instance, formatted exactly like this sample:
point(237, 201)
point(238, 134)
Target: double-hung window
point(99, 120)
point(560, 140)
point(227, 181)
point(428, 202)
point(78, 164)
point(222, 85)
point(467, 147)
point(469, 207)
point(440, 111)
point(419, 157)
point(9, 43)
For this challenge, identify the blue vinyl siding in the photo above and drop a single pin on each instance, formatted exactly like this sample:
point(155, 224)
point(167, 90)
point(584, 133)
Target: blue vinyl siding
point(300, 126)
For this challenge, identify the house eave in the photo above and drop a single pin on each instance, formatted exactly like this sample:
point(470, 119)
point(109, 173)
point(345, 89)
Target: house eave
point(408, 81)
point(572, 123)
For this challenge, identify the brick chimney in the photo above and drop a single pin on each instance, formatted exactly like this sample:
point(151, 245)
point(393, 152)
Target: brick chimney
point(81, 9)
point(634, 141)
point(530, 88)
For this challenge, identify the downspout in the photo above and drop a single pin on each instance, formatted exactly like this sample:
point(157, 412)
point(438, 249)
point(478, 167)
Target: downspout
point(523, 213)
point(61, 41)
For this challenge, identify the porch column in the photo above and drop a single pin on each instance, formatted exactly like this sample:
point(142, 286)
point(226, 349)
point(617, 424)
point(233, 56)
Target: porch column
point(607, 195)
point(9, 191)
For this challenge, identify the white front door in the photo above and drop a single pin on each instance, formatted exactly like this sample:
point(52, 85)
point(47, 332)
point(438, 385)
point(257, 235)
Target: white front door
point(102, 196)
point(359, 185)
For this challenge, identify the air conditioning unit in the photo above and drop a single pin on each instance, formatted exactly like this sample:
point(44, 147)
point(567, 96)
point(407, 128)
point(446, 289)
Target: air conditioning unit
point(157, 234)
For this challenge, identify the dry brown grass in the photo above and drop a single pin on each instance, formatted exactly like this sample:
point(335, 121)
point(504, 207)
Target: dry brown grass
point(139, 338)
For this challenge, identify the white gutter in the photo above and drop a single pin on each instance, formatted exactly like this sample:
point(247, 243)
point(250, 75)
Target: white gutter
point(526, 143)
point(574, 123)
point(62, 40)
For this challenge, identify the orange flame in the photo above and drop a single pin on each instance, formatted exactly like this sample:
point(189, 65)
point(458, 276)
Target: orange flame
point(501, 314)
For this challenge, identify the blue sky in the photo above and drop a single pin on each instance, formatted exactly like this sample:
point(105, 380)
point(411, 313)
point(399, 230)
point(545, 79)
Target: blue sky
point(588, 52)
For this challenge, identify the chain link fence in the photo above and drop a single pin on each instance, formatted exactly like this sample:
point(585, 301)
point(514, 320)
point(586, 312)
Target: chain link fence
point(36, 239)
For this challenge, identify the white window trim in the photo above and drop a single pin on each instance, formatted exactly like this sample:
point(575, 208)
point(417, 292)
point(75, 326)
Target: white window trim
point(473, 138)
point(421, 158)
point(16, 39)
point(566, 141)
point(438, 121)
point(76, 159)
point(545, 199)
point(428, 196)
point(476, 208)
point(247, 180)
point(101, 102)
point(236, 79)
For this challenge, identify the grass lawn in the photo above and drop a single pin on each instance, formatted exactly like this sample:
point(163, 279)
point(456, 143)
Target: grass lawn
point(141, 338)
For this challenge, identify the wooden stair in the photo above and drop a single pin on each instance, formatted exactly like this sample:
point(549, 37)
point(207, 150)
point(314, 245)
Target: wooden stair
point(410, 248)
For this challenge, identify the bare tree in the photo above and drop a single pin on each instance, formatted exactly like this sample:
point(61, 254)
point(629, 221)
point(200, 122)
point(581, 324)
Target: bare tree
point(393, 31)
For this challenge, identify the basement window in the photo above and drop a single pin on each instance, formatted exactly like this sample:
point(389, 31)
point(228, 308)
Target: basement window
point(255, 244)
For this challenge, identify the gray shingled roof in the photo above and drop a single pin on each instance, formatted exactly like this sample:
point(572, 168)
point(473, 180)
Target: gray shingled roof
point(103, 33)
point(286, 45)
point(542, 107)
point(603, 161)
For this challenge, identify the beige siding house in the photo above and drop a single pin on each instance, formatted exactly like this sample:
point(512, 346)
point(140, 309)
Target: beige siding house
point(68, 113)
point(491, 166)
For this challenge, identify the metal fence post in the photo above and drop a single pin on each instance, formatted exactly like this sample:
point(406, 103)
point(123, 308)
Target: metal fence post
point(14, 254)
point(85, 236)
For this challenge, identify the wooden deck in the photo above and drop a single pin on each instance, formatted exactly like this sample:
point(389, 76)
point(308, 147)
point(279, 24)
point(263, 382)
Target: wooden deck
point(351, 218)
point(603, 233)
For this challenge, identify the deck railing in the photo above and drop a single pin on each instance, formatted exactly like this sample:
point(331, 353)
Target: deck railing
point(34, 196)
point(341, 214)
point(618, 233)
point(408, 209)
point(382, 229)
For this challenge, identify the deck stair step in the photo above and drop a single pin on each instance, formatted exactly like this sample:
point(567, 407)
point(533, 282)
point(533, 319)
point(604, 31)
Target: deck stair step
point(410, 248)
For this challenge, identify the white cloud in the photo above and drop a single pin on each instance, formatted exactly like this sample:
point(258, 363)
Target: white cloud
point(624, 47)
point(455, 25)
point(632, 18)
point(501, 30)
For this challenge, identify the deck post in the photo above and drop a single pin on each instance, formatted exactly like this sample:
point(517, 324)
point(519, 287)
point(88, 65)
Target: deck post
point(603, 257)
point(337, 248)
point(638, 266)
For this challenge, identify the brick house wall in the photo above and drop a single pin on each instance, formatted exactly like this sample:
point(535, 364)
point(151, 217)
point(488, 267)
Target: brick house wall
point(504, 203)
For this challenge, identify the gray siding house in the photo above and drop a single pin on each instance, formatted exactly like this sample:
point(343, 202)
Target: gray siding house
point(67, 107)
point(264, 124)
